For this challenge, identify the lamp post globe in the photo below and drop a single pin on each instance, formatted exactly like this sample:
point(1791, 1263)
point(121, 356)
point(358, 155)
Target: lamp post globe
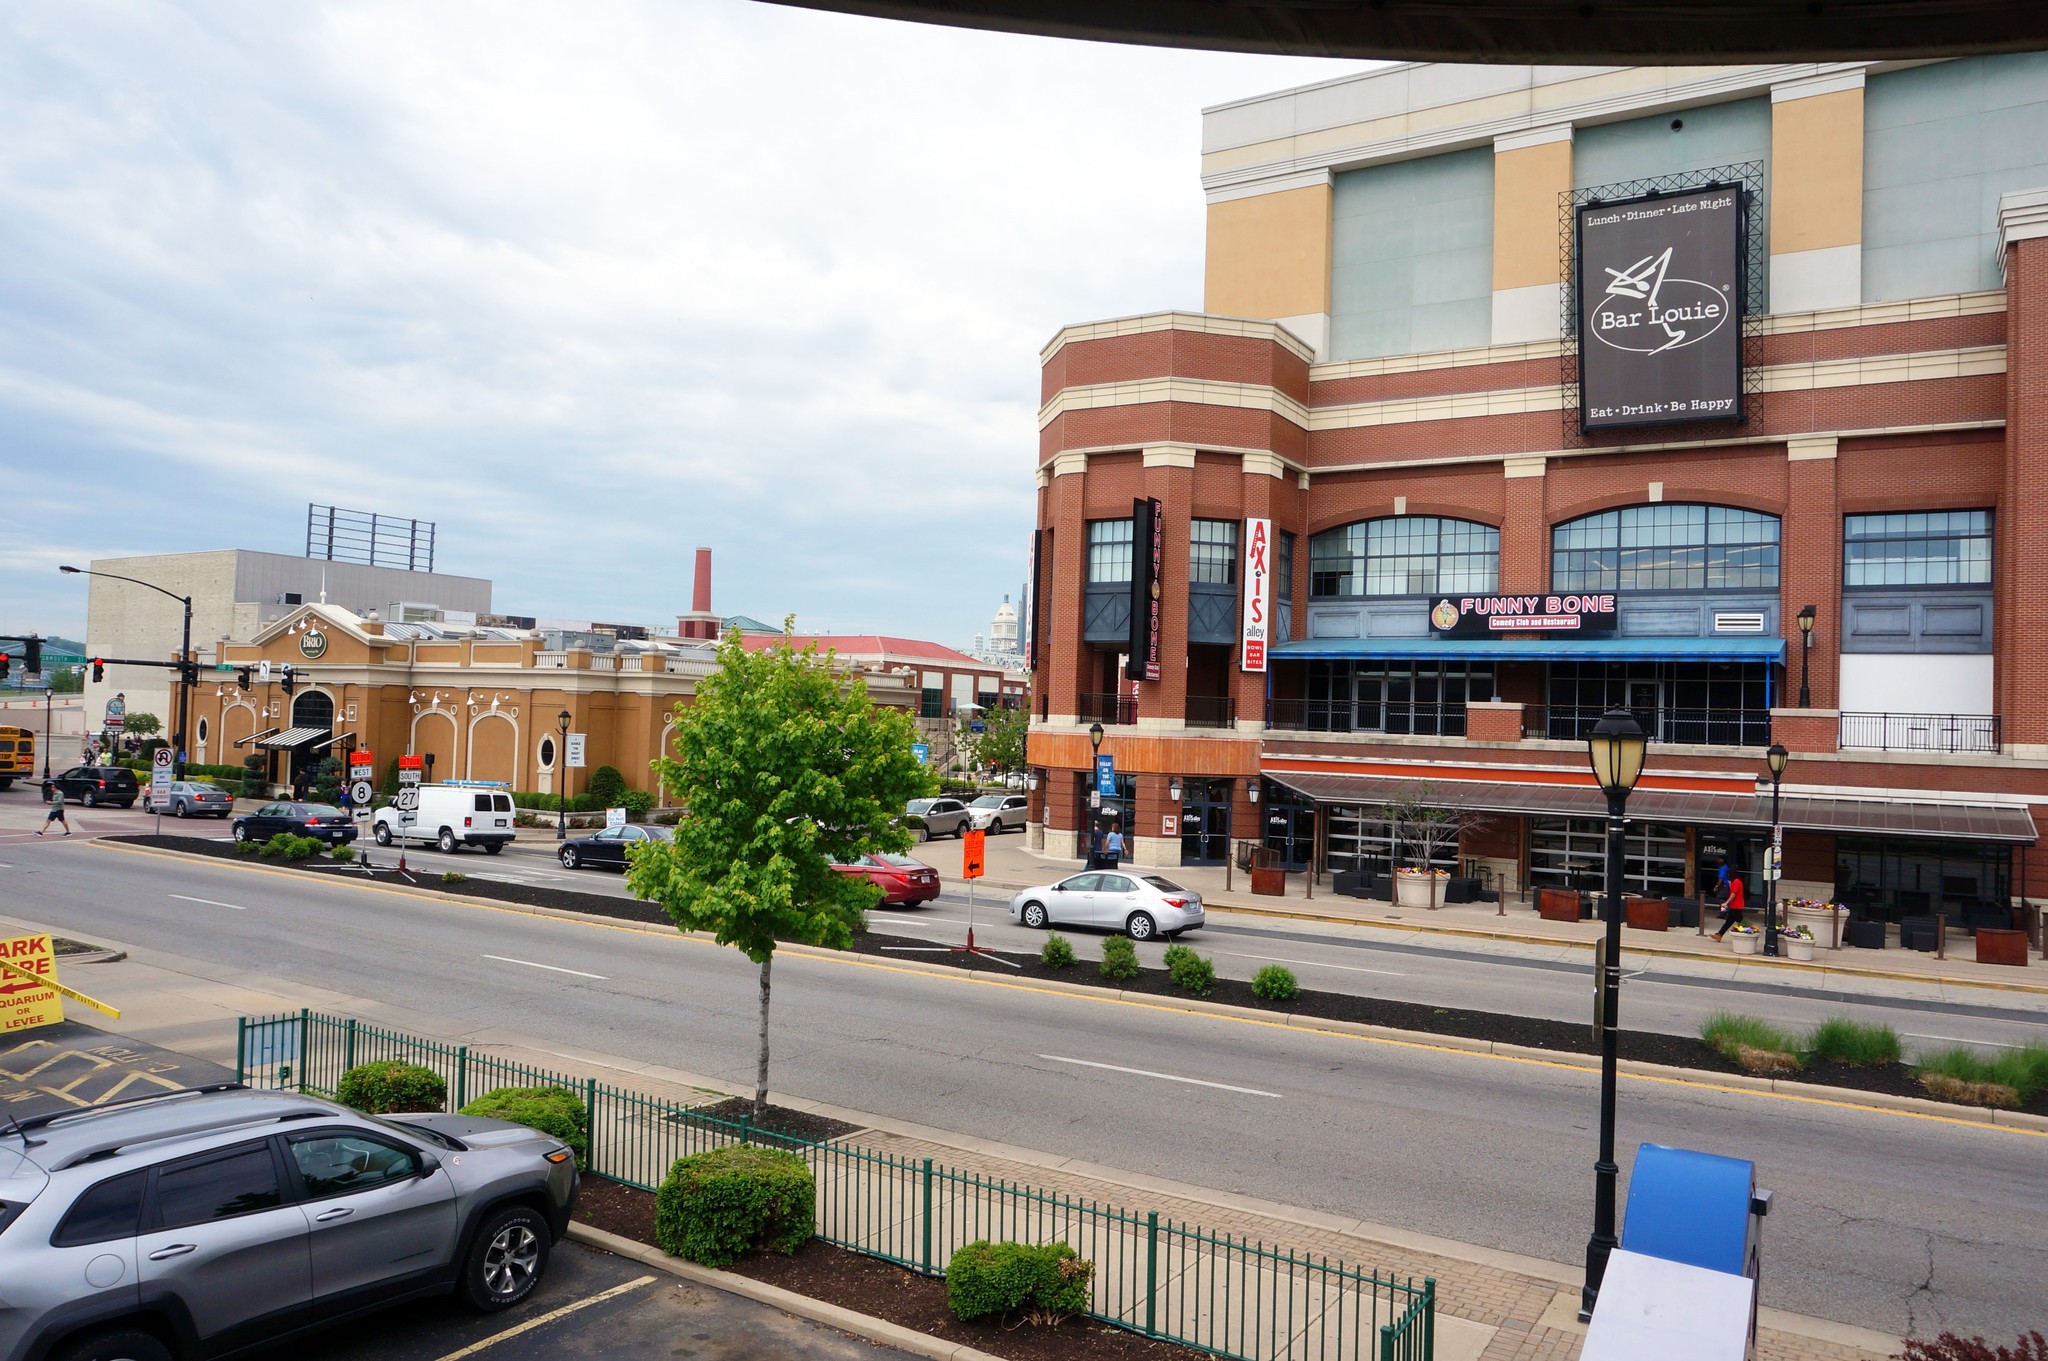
point(1095, 736)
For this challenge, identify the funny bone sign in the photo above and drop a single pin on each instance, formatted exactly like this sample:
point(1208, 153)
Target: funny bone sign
point(1481, 616)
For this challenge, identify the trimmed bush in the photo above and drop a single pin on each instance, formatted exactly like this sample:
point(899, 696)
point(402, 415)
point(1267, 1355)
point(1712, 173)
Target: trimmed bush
point(248, 848)
point(292, 847)
point(454, 877)
point(551, 1110)
point(1275, 983)
point(1119, 958)
point(254, 783)
point(1046, 1283)
point(1843, 1040)
point(344, 854)
point(605, 787)
point(1960, 1073)
point(1188, 970)
point(1058, 952)
point(391, 1085)
point(713, 1208)
point(638, 803)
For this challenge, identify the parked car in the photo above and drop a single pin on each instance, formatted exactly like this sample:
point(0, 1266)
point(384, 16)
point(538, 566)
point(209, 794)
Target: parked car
point(451, 816)
point(905, 882)
point(184, 1223)
point(1140, 905)
point(609, 847)
point(942, 817)
point(998, 813)
point(95, 785)
point(322, 820)
point(193, 799)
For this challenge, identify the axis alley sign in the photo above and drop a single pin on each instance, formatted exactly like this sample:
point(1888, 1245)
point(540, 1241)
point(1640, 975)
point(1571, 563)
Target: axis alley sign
point(1258, 594)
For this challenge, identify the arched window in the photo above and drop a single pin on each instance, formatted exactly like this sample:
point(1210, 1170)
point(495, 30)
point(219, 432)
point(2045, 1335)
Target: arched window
point(314, 709)
point(1673, 547)
point(1404, 555)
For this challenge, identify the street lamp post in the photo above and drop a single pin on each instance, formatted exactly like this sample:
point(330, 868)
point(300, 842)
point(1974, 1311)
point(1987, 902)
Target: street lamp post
point(1775, 758)
point(562, 769)
point(1806, 618)
point(48, 690)
point(186, 667)
point(1616, 747)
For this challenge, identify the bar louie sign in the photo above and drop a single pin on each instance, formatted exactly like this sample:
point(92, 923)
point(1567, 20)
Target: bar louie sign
point(1491, 616)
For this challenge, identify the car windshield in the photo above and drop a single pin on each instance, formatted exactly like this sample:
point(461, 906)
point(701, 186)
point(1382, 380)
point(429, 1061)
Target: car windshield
point(322, 810)
point(919, 806)
point(417, 1131)
point(988, 801)
point(1164, 885)
point(901, 862)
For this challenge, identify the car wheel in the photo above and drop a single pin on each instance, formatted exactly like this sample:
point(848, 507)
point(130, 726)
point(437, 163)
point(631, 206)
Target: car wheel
point(494, 847)
point(506, 1259)
point(568, 857)
point(91, 799)
point(383, 835)
point(116, 1344)
point(178, 811)
point(1035, 916)
point(960, 830)
point(241, 832)
point(446, 841)
point(1141, 926)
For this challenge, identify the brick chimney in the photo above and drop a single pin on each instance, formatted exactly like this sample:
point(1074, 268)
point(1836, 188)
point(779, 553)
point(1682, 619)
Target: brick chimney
point(700, 622)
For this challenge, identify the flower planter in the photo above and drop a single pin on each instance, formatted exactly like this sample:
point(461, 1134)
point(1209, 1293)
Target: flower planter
point(2001, 947)
point(1418, 890)
point(1649, 914)
point(1269, 883)
point(1744, 945)
point(1796, 947)
point(1819, 920)
point(1557, 905)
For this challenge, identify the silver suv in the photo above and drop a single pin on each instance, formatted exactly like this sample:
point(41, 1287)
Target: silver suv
point(210, 1220)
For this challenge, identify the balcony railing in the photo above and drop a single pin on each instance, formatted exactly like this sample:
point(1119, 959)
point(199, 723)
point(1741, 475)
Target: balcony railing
point(1920, 732)
point(1211, 711)
point(1331, 715)
point(1685, 727)
point(1108, 709)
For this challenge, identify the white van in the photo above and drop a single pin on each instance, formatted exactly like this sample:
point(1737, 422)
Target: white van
point(452, 816)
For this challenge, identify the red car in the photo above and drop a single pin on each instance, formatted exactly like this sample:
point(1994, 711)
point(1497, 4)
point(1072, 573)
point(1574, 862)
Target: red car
point(905, 882)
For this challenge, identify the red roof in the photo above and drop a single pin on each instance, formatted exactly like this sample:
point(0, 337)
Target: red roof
point(872, 646)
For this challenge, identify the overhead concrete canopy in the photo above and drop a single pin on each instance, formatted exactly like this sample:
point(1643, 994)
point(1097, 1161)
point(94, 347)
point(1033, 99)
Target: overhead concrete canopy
point(1544, 32)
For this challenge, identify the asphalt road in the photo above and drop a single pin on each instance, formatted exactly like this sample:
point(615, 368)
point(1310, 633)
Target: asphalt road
point(1883, 1220)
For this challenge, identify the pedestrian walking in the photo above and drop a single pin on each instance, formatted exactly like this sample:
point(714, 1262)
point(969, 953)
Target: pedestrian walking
point(1113, 846)
point(56, 797)
point(1730, 893)
point(1094, 861)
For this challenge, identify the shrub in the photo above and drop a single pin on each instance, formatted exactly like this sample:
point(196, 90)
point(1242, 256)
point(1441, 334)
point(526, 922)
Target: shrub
point(1960, 1073)
point(1275, 983)
point(303, 847)
point(551, 1110)
point(1048, 1283)
point(714, 1207)
point(248, 848)
point(1847, 1041)
point(389, 789)
point(391, 1085)
point(638, 803)
point(1058, 952)
point(1728, 1033)
point(606, 784)
point(2032, 1346)
point(344, 853)
point(454, 877)
point(254, 783)
point(1119, 958)
point(327, 778)
point(279, 845)
point(1188, 970)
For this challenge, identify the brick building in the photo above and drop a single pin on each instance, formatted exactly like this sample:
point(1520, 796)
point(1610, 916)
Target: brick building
point(1487, 513)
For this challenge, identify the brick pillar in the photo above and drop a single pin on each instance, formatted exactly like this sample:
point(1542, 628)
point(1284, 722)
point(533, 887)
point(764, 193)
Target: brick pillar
point(1524, 530)
point(2022, 564)
point(1170, 477)
point(1810, 551)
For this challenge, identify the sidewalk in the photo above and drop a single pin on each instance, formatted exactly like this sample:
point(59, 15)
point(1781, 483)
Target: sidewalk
point(1013, 866)
point(1492, 1306)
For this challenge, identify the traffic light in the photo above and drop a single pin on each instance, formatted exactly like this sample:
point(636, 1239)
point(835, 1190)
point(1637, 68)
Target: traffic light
point(6, 664)
point(285, 678)
point(242, 677)
point(33, 662)
point(99, 670)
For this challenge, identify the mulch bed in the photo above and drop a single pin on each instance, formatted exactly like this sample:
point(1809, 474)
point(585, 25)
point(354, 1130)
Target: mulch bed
point(1568, 1037)
point(778, 1126)
point(879, 1290)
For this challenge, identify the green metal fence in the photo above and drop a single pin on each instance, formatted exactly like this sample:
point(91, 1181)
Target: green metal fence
point(1164, 1278)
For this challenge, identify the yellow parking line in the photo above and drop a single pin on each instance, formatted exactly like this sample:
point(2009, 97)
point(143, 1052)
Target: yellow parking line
point(549, 1317)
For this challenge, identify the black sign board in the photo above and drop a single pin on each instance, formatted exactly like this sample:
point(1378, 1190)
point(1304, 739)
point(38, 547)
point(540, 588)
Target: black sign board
point(1503, 616)
point(1148, 555)
point(1660, 308)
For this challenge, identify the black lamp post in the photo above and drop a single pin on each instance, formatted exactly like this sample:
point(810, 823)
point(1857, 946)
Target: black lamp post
point(187, 670)
point(1806, 618)
point(562, 768)
point(48, 690)
point(1775, 758)
point(1616, 747)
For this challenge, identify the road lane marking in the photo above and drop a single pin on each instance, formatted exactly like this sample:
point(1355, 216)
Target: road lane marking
point(551, 968)
point(1958, 1039)
point(1316, 964)
point(1163, 1077)
point(208, 901)
point(473, 1348)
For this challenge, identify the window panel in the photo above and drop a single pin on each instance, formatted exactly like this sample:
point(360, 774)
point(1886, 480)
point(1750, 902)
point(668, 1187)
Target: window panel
point(1284, 587)
point(1406, 555)
point(1212, 552)
point(218, 1188)
point(1109, 552)
point(1919, 548)
point(1666, 547)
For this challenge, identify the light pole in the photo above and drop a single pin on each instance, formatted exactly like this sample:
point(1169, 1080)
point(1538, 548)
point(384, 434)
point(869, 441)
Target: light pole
point(1775, 758)
point(185, 664)
point(1095, 746)
point(1806, 618)
point(562, 767)
point(48, 690)
point(1615, 747)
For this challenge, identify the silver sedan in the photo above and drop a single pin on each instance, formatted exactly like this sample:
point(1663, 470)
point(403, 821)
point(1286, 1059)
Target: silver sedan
point(1138, 904)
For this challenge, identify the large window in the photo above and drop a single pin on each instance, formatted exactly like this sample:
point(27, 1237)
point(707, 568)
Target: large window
point(1109, 552)
point(1572, 853)
point(1212, 552)
point(1722, 704)
point(1425, 698)
point(1921, 548)
point(1283, 586)
point(1666, 548)
point(1405, 555)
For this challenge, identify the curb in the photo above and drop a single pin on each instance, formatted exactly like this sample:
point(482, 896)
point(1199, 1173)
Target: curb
point(93, 957)
point(875, 1330)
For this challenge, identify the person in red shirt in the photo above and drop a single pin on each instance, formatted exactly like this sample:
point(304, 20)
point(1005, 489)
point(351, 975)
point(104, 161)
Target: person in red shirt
point(1732, 902)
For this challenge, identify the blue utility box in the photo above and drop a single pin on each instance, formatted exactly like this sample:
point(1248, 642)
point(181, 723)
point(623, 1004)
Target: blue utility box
point(1700, 1209)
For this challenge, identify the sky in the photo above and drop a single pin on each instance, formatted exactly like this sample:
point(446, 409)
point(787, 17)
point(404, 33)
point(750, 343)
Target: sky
point(588, 285)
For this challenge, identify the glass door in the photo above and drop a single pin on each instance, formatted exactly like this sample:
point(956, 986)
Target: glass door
point(1205, 822)
point(1289, 827)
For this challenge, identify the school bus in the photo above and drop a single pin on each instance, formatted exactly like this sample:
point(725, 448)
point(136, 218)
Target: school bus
point(17, 755)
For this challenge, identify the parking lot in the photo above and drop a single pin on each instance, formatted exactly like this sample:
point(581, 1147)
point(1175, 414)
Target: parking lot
point(590, 1304)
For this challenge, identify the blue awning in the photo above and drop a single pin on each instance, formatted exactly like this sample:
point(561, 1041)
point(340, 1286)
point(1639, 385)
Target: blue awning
point(1744, 649)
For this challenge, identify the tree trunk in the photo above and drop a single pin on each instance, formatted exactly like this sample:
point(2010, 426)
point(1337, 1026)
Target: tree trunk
point(761, 1066)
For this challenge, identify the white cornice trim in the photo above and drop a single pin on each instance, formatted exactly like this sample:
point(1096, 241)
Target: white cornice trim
point(1520, 141)
point(2022, 216)
point(1806, 87)
point(1195, 391)
point(1278, 184)
point(1202, 322)
point(1252, 460)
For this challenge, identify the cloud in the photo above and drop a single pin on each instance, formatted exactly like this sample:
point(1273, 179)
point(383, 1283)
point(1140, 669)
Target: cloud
point(586, 284)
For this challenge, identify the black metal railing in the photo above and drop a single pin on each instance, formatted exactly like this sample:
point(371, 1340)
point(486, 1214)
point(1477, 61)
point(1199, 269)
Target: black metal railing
point(1336, 715)
point(1686, 727)
point(1211, 711)
point(1920, 732)
point(1108, 709)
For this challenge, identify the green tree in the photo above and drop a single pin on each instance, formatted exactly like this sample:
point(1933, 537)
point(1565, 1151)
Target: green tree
point(142, 725)
point(785, 768)
point(1000, 743)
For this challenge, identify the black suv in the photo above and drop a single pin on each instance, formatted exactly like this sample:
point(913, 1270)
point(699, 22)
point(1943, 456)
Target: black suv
point(95, 785)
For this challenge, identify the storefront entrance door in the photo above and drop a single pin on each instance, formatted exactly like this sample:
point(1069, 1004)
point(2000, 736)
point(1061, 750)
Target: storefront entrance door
point(1290, 827)
point(1205, 822)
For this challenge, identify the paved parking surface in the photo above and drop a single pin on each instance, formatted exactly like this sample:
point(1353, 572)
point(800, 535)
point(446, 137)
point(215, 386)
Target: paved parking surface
point(591, 1304)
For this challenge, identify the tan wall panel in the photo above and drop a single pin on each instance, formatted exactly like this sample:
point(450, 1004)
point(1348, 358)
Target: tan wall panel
point(1526, 184)
point(1817, 172)
point(1269, 256)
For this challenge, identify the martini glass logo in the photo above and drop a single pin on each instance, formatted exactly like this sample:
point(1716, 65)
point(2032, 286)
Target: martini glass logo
point(1646, 310)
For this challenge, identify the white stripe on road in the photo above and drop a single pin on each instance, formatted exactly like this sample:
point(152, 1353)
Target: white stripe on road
point(1958, 1039)
point(549, 1317)
point(1315, 964)
point(208, 901)
point(551, 968)
point(1163, 1077)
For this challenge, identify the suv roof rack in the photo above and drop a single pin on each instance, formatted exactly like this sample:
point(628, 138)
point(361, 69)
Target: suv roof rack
point(49, 1118)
